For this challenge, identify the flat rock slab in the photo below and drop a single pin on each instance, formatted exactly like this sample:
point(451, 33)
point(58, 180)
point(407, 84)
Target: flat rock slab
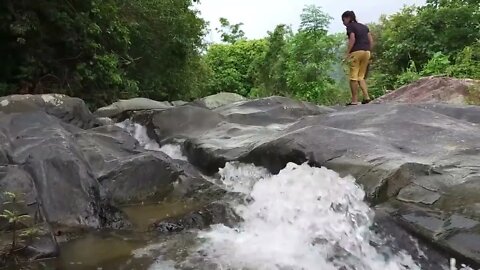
point(218, 100)
point(134, 104)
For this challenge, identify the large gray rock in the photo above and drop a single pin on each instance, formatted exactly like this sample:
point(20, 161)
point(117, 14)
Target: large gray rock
point(146, 177)
point(227, 132)
point(188, 121)
point(14, 179)
point(421, 155)
point(131, 174)
point(66, 188)
point(70, 110)
point(134, 104)
point(4, 146)
point(432, 89)
point(70, 178)
point(218, 100)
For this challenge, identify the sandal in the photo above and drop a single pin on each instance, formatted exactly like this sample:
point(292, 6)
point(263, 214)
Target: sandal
point(352, 104)
point(366, 101)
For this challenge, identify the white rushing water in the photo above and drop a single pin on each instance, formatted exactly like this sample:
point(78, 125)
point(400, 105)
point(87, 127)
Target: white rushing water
point(237, 177)
point(139, 132)
point(303, 218)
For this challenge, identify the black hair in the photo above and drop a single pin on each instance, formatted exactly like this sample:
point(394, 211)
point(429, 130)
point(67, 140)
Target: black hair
point(349, 14)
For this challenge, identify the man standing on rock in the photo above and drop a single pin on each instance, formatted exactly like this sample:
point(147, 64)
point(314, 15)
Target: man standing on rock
point(360, 42)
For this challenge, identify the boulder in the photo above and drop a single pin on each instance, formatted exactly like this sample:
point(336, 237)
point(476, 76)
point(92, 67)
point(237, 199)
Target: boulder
point(15, 180)
point(105, 146)
point(227, 132)
point(65, 186)
point(134, 104)
point(146, 177)
point(131, 174)
point(218, 100)
point(179, 122)
point(71, 174)
point(4, 148)
point(431, 90)
point(425, 155)
point(70, 110)
point(178, 102)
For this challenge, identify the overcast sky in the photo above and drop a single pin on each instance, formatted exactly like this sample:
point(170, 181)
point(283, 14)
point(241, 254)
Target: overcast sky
point(260, 16)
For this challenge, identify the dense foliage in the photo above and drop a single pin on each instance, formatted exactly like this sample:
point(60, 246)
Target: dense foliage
point(101, 50)
point(297, 64)
point(440, 38)
point(104, 50)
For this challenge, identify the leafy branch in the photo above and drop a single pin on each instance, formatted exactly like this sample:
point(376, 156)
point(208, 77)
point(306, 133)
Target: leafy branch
point(14, 218)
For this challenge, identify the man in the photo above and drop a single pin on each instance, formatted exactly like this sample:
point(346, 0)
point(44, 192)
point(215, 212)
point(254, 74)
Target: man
point(360, 43)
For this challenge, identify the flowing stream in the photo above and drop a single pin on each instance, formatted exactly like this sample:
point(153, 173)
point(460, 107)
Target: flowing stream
point(303, 218)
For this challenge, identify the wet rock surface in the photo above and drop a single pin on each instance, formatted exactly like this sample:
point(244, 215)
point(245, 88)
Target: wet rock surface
point(399, 239)
point(63, 181)
point(424, 155)
point(212, 213)
point(73, 175)
point(417, 161)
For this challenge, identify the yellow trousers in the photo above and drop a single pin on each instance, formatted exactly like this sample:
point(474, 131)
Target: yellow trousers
point(358, 65)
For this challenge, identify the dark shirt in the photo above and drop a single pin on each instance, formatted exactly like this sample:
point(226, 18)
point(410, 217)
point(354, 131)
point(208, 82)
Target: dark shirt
point(361, 36)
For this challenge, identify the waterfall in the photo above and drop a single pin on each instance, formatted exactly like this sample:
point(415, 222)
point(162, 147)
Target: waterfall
point(303, 218)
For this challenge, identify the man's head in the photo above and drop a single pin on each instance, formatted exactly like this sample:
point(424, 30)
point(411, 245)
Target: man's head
point(348, 17)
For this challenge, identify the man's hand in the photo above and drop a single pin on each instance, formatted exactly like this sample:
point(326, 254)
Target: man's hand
point(346, 57)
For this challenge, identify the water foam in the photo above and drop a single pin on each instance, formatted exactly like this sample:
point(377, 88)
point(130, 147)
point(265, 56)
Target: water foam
point(139, 132)
point(302, 218)
point(239, 177)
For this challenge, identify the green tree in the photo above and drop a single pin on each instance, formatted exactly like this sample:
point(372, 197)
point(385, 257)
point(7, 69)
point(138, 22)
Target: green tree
point(432, 36)
point(166, 40)
point(467, 63)
point(312, 54)
point(230, 33)
point(272, 79)
point(101, 50)
point(291, 64)
point(234, 66)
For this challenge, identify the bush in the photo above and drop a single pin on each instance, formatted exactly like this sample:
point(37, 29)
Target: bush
point(437, 65)
point(409, 76)
point(467, 63)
